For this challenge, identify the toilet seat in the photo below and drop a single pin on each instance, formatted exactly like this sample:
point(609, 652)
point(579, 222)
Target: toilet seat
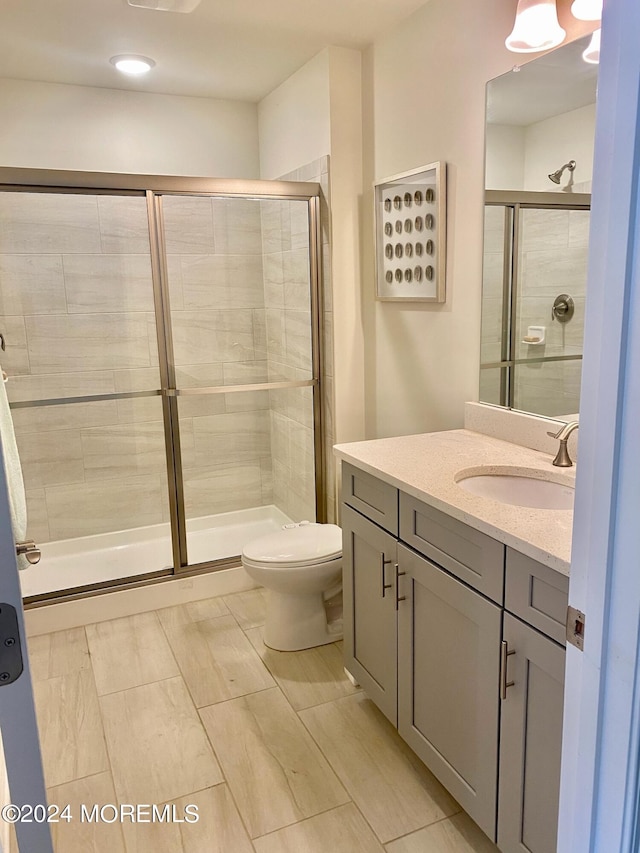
point(295, 547)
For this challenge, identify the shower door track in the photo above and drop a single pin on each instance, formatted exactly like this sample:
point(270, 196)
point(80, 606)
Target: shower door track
point(153, 188)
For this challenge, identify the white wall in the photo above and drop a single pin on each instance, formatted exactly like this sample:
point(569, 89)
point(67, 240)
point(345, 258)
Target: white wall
point(425, 102)
point(56, 126)
point(552, 143)
point(294, 120)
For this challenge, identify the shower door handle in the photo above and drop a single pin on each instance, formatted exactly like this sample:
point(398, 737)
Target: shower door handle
point(30, 550)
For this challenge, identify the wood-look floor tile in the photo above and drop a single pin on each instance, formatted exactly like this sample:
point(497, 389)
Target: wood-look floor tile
point(387, 781)
point(128, 652)
point(218, 829)
point(248, 607)
point(275, 771)
point(78, 836)
point(457, 834)
point(341, 830)
point(71, 735)
point(309, 677)
point(193, 611)
point(217, 660)
point(157, 745)
point(62, 652)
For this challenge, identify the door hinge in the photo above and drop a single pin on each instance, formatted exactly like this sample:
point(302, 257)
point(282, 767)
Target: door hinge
point(11, 665)
point(575, 627)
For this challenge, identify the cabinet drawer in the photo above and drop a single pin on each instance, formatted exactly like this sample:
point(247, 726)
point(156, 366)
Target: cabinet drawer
point(537, 594)
point(371, 497)
point(475, 558)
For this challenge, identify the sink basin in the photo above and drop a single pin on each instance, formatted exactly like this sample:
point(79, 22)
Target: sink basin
point(518, 486)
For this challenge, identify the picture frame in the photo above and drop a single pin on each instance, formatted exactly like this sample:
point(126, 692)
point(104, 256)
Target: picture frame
point(410, 238)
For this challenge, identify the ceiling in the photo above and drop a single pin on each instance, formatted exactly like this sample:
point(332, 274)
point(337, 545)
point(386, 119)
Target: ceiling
point(548, 86)
point(237, 49)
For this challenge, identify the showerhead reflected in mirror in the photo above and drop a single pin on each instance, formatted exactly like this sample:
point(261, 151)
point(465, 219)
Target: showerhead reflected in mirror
point(540, 123)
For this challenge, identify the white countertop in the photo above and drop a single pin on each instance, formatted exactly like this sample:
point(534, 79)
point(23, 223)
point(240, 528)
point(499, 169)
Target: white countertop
point(425, 466)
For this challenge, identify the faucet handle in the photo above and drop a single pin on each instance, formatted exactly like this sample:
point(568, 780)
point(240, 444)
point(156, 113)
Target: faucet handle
point(555, 434)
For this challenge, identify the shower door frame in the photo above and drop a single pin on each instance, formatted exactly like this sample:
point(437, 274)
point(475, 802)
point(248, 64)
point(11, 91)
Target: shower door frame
point(153, 188)
point(513, 201)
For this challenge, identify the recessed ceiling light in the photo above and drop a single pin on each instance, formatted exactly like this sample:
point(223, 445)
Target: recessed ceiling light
point(131, 64)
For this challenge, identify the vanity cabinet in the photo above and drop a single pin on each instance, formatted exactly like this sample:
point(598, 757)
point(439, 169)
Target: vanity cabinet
point(435, 628)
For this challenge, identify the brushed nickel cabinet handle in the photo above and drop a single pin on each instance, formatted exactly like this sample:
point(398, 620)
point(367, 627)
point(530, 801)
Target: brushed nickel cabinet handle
point(399, 574)
point(505, 654)
point(383, 563)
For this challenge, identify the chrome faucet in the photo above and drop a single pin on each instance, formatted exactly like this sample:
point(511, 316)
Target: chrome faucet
point(563, 460)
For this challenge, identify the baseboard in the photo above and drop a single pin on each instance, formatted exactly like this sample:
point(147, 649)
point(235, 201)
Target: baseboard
point(126, 602)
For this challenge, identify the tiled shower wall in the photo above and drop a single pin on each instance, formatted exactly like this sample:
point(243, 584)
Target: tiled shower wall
point(552, 260)
point(286, 271)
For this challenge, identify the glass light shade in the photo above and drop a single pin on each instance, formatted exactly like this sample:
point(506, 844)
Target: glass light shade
point(587, 10)
point(536, 27)
point(592, 53)
point(130, 64)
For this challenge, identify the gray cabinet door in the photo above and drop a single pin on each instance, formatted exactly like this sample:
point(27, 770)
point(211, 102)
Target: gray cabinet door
point(448, 699)
point(530, 741)
point(370, 623)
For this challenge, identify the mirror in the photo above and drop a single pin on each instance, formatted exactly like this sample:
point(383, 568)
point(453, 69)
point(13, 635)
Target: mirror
point(540, 121)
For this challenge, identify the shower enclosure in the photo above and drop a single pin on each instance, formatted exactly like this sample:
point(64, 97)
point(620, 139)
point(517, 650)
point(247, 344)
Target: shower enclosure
point(533, 294)
point(163, 342)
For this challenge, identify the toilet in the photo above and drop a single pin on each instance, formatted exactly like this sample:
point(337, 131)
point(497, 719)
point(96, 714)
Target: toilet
point(301, 567)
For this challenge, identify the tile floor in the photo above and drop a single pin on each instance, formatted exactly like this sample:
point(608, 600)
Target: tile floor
point(279, 752)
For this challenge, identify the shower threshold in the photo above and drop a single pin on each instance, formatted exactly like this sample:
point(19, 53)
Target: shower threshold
point(120, 554)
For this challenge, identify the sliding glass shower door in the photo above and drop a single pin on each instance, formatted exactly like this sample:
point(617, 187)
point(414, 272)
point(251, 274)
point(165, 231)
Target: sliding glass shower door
point(162, 355)
point(240, 369)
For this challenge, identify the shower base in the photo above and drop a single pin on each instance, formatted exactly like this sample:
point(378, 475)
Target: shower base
point(70, 563)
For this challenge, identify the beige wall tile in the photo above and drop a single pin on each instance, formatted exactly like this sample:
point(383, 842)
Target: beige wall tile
point(200, 375)
point(108, 283)
point(129, 652)
point(205, 337)
point(236, 226)
point(188, 225)
point(579, 223)
point(389, 784)
point(157, 746)
point(50, 458)
point(124, 226)
point(306, 678)
point(494, 229)
point(219, 828)
point(297, 329)
point(222, 281)
point(53, 385)
point(71, 735)
point(222, 488)
point(458, 834)
point(231, 437)
point(341, 830)
point(15, 360)
point(67, 417)
point(266, 476)
point(44, 223)
point(297, 293)
point(78, 836)
point(60, 653)
point(85, 509)
point(140, 379)
point(544, 229)
point(275, 771)
point(124, 450)
point(548, 272)
point(245, 372)
point(216, 660)
point(276, 344)
point(248, 607)
point(139, 409)
point(31, 284)
point(63, 344)
point(276, 226)
point(259, 323)
point(37, 518)
point(247, 401)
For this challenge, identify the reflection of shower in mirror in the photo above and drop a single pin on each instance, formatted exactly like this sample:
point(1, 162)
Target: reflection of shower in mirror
point(556, 176)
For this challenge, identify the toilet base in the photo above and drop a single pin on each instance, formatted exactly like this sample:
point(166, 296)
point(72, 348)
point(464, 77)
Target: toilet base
point(298, 621)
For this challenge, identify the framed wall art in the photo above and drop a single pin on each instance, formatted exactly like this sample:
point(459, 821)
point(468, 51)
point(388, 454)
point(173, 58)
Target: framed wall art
point(410, 223)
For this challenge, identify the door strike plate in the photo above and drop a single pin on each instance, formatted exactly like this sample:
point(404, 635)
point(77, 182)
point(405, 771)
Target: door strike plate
point(11, 665)
point(575, 627)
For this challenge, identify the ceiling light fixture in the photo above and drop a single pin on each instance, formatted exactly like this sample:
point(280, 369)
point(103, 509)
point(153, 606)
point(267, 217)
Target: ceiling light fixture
point(129, 63)
point(536, 27)
point(592, 53)
point(587, 10)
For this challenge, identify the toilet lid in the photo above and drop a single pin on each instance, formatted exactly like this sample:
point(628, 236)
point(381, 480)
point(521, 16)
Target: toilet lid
point(300, 545)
